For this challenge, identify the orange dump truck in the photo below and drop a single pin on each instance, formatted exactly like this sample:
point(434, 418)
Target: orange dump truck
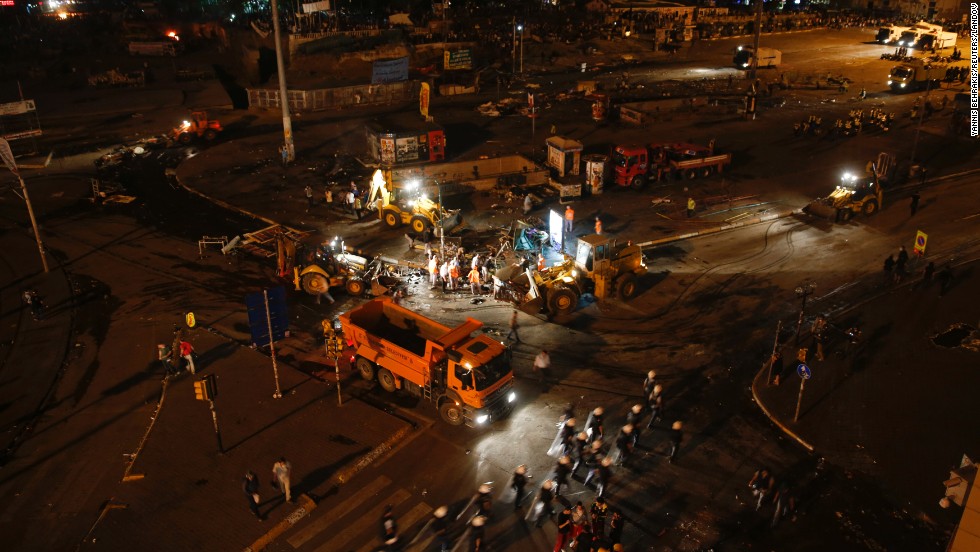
point(467, 374)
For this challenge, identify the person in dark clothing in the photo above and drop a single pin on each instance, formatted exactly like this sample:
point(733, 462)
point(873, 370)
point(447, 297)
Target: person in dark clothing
point(440, 528)
point(389, 525)
point(250, 486)
point(928, 272)
point(564, 528)
point(648, 384)
point(545, 497)
point(901, 263)
point(633, 418)
point(914, 204)
point(656, 402)
point(562, 471)
point(777, 367)
point(579, 451)
point(518, 483)
point(624, 444)
point(616, 526)
point(477, 533)
point(675, 440)
point(597, 515)
point(889, 268)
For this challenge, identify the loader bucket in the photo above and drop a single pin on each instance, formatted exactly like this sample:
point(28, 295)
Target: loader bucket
point(451, 221)
point(820, 208)
point(533, 306)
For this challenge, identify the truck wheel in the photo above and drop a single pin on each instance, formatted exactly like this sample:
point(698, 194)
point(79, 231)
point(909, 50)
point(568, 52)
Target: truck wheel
point(315, 284)
point(392, 220)
point(705, 172)
point(626, 286)
point(637, 183)
point(184, 138)
point(210, 135)
point(562, 300)
point(387, 380)
point(355, 287)
point(420, 224)
point(366, 368)
point(690, 174)
point(451, 413)
point(870, 207)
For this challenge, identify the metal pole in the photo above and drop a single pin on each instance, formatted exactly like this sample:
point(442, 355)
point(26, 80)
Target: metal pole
point(442, 228)
point(30, 213)
point(217, 431)
point(336, 369)
point(799, 400)
point(522, 50)
point(287, 125)
point(775, 344)
point(799, 322)
point(272, 345)
point(755, 41)
point(513, 49)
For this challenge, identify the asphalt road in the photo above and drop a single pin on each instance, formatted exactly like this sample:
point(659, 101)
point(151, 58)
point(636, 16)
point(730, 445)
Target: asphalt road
point(704, 321)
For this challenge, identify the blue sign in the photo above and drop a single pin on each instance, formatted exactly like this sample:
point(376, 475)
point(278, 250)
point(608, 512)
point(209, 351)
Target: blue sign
point(804, 371)
point(258, 320)
point(391, 70)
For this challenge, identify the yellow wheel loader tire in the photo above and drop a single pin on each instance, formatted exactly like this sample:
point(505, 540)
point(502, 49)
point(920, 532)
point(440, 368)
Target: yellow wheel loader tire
point(626, 286)
point(562, 300)
point(387, 380)
point(870, 207)
point(451, 413)
point(355, 287)
point(366, 368)
point(315, 283)
point(392, 220)
point(420, 224)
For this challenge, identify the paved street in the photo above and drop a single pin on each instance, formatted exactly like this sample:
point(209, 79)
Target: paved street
point(116, 456)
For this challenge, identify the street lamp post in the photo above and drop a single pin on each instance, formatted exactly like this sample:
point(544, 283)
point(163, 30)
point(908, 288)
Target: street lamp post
point(521, 29)
point(803, 292)
point(513, 49)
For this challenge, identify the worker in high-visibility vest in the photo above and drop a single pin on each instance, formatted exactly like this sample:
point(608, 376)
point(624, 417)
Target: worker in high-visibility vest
point(542, 264)
point(569, 219)
point(690, 207)
point(475, 280)
point(598, 226)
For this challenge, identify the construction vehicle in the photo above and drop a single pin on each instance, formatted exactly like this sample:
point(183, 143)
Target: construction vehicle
point(635, 165)
point(767, 57)
point(602, 266)
point(855, 194)
point(467, 376)
point(398, 206)
point(889, 35)
point(199, 126)
point(329, 265)
point(924, 35)
point(917, 74)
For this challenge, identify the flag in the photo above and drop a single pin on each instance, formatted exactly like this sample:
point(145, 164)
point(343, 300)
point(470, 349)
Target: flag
point(424, 100)
point(530, 100)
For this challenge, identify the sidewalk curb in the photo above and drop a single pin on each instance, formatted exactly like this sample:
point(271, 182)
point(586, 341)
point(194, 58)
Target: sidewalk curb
point(221, 202)
point(773, 418)
point(716, 229)
point(347, 474)
point(306, 505)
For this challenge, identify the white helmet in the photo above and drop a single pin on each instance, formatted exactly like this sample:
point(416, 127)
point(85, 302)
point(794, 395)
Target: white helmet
point(484, 489)
point(547, 485)
point(598, 411)
point(628, 428)
point(521, 470)
point(565, 460)
point(570, 422)
point(637, 408)
point(441, 512)
point(651, 374)
point(478, 521)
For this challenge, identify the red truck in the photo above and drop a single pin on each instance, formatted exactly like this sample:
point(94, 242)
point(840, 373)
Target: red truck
point(635, 165)
point(468, 376)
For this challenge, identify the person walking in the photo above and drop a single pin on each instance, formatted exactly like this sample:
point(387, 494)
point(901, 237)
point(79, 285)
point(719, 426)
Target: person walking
point(187, 353)
point(597, 515)
point(569, 223)
point(762, 484)
point(477, 533)
point(308, 191)
point(562, 470)
point(484, 500)
point(281, 471)
point(598, 226)
point(595, 456)
point(633, 418)
point(900, 263)
point(528, 204)
point(250, 486)
point(542, 366)
point(945, 278)
point(593, 424)
point(389, 526)
point(656, 402)
point(580, 451)
point(328, 198)
point(518, 482)
point(545, 499)
point(164, 355)
point(914, 204)
point(889, 267)
point(440, 528)
point(927, 273)
point(624, 444)
point(564, 528)
point(676, 436)
point(649, 383)
point(690, 207)
point(819, 333)
point(616, 527)
point(433, 270)
point(350, 201)
point(513, 327)
point(474, 278)
point(580, 519)
point(603, 476)
point(453, 273)
point(777, 366)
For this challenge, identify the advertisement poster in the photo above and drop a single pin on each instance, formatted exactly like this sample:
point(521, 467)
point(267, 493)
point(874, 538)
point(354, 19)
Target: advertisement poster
point(388, 151)
point(424, 100)
point(392, 70)
point(460, 59)
point(407, 149)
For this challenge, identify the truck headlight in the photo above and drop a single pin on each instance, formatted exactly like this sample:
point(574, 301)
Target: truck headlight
point(890, 83)
point(744, 65)
point(482, 418)
point(903, 85)
point(511, 397)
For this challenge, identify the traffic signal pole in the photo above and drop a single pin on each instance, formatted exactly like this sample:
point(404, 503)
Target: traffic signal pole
point(217, 430)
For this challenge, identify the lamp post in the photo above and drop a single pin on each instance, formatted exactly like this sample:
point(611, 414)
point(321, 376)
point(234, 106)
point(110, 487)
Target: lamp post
point(513, 49)
point(442, 228)
point(521, 29)
point(803, 292)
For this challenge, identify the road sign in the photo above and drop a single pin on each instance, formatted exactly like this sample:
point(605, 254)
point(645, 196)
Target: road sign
point(921, 238)
point(804, 371)
point(259, 321)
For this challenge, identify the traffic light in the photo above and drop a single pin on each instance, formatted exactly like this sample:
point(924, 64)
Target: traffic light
point(206, 388)
point(801, 355)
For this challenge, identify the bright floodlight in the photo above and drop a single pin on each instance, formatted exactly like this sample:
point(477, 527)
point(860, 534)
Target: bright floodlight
point(413, 183)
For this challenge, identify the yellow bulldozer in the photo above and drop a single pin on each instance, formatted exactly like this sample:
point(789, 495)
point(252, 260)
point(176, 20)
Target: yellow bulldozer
point(329, 265)
point(602, 266)
point(855, 194)
point(408, 205)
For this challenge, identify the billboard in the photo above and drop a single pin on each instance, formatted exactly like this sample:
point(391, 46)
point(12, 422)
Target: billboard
point(390, 70)
point(460, 59)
